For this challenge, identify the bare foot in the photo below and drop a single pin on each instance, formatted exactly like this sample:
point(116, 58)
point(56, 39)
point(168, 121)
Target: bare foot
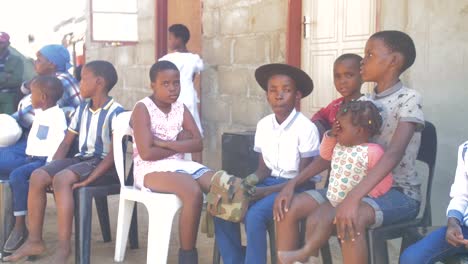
point(29, 248)
point(291, 257)
point(62, 253)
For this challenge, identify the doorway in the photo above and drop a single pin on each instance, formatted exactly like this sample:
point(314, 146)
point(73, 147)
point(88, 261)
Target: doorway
point(331, 28)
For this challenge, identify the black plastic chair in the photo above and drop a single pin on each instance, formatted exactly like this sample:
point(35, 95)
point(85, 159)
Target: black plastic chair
point(239, 159)
point(377, 238)
point(83, 216)
point(83, 219)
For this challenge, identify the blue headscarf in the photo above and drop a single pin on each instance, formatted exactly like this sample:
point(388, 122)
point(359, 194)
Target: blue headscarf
point(58, 55)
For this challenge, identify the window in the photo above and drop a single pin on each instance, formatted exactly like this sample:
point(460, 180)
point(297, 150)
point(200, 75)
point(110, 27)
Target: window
point(114, 21)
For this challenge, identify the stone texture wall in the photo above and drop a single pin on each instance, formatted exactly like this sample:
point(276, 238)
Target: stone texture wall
point(132, 62)
point(440, 32)
point(238, 36)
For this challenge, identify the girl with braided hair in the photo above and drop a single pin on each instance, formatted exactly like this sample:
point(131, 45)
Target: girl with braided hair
point(351, 157)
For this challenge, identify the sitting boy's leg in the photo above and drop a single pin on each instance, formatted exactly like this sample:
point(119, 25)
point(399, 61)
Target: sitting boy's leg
point(37, 200)
point(19, 182)
point(257, 218)
point(318, 230)
point(287, 230)
point(356, 251)
point(228, 240)
point(434, 247)
point(189, 192)
point(62, 184)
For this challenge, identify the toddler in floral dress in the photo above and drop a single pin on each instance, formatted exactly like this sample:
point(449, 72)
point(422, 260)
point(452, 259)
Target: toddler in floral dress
point(351, 157)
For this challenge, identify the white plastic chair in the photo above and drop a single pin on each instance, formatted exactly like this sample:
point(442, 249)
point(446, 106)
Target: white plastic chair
point(161, 207)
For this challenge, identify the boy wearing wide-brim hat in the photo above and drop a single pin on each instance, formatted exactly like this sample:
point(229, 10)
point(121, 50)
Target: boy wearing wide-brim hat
point(286, 142)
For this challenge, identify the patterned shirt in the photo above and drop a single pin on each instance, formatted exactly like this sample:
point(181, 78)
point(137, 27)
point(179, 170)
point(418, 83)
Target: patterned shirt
point(400, 104)
point(70, 100)
point(349, 166)
point(94, 128)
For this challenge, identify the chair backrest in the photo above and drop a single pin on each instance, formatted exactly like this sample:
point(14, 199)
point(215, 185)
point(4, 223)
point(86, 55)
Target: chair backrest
point(427, 154)
point(122, 130)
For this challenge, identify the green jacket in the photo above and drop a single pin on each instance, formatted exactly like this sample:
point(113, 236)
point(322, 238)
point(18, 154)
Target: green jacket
point(12, 76)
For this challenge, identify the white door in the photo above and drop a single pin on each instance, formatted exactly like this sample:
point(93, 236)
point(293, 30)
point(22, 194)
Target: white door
point(331, 28)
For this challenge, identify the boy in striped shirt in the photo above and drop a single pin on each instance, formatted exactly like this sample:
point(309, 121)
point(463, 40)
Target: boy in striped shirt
point(93, 164)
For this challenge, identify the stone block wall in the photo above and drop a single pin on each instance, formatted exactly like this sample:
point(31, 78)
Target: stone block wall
point(238, 36)
point(440, 32)
point(131, 61)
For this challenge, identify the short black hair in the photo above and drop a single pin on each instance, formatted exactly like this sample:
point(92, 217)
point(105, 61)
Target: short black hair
point(349, 56)
point(51, 86)
point(180, 31)
point(400, 42)
point(105, 70)
point(159, 67)
point(363, 114)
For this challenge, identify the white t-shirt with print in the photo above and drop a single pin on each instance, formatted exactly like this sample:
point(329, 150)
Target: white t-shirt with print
point(47, 132)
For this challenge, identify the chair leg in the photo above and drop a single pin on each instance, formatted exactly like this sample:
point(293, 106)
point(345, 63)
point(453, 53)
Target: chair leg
point(326, 254)
point(272, 236)
point(216, 254)
point(6, 213)
point(83, 216)
point(377, 248)
point(103, 215)
point(159, 233)
point(123, 226)
point(134, 229)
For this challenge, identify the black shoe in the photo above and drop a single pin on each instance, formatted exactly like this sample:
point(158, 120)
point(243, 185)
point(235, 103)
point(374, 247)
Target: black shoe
point(15, 240)
point(188, 256)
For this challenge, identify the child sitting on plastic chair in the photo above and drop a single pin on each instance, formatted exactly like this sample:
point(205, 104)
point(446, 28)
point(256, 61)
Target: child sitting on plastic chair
point(163, 130)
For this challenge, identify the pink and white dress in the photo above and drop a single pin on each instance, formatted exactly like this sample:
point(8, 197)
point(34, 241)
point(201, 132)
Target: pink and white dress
point(166, 127)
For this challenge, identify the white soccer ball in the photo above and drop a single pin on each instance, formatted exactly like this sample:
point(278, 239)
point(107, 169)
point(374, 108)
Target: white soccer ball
point(10, 131)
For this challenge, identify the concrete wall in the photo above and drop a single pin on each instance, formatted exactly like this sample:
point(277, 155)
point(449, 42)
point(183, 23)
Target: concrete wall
point(238, 36)
point(440, 32)
point(132, 62)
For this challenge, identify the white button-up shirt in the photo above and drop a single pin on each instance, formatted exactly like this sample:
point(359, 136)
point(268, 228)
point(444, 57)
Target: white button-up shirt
point(283, 145)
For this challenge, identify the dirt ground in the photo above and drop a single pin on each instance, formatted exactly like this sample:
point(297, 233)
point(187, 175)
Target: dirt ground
point(103, 253)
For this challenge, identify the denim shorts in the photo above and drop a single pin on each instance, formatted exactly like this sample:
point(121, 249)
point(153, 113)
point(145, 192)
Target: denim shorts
point(390, 208)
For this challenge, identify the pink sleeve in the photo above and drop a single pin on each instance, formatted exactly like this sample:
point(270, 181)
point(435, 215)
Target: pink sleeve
point(327, 146)
point(375, 152)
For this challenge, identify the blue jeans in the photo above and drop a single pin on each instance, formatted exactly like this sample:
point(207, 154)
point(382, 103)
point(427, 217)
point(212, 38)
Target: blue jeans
point(256, 219)
point(13, 156)
point(432, 248)
point(19, 182)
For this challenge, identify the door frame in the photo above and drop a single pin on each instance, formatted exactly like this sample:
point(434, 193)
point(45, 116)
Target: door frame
point(160, 28)
point(294, 30)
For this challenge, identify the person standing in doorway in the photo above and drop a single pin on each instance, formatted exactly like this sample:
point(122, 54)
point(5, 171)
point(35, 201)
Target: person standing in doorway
point(189, 65)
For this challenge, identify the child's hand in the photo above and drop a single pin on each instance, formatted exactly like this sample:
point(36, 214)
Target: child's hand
point(454, 235)
point(346, 220)
point(283, 201)
point(79, 184)
point(159, 142)
point(336, 128)
point(184, 135)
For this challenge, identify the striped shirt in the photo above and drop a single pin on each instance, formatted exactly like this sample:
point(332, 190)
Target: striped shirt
point(94, 128)
point(70, 100)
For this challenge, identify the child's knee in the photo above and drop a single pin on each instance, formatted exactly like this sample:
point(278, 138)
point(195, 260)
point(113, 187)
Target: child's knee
point(40, 178)
point(63, 179)
point(192, 195)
